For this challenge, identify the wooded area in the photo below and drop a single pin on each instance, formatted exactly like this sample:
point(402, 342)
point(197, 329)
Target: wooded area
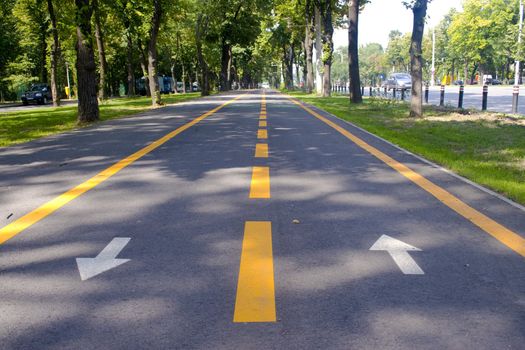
point(130, 47)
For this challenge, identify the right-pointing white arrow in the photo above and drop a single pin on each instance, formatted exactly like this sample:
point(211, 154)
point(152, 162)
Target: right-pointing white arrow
point(398, 250)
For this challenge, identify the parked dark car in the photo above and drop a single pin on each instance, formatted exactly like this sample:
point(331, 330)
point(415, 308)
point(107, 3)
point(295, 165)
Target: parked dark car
point(459, 82)
point(398, 81)
point(496, 82)
point(39, 93)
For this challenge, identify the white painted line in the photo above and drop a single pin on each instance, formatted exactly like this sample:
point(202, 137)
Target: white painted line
point(437, 166)
point(104, 261)
point(398, 250)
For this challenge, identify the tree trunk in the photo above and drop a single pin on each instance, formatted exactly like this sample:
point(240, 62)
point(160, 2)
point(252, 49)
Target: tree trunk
point(288, 54)
point(200, 27)
point(55, 52)
point(353, 52)
point(183, 79)
point(225, 66)
point(318, 51)
point(43, 47)
point(416, 58)
point(297, 75)
point(152, 54)
point(473, 75)
point(86, 67)
point(308, 47)
point(102, 85)
point(173, 79)
point(328, 46)
point(129, 64)
point(144, 67)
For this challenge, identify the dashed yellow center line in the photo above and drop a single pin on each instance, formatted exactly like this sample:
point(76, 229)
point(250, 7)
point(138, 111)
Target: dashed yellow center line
point(262, 134)
point(26, 221)
point(263, 123)
point(260, 184)
point(255, 301)
point(261, 150)
point(263, 117)
point(506, 236)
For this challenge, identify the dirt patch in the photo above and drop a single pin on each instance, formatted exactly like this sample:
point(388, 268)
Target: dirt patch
point(496, 118)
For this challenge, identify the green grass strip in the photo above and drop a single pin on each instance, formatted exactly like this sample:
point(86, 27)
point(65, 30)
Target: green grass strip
point(26, 125)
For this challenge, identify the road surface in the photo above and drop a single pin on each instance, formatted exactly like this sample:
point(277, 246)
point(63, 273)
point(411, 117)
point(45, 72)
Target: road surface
point(249, 221)
point(499, 98)
point(14, 107)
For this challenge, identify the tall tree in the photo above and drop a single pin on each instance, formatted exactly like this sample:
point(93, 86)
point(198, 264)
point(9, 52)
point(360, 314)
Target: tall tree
point(55, 52)
point(353, 51)
point(326, 12)
point(152, 53)
point(419, 8)
point(86, 68)
point(103, 65)
point(201, 27)
point(309, 34)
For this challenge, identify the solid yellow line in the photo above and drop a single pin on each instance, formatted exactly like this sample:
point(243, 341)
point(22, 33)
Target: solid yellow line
point(255, 301)
point(263, 124)
point(493, 228)
point(262, 134)
point(263, 117)
point(261, 150)
point(11, 230)
point(260, 185)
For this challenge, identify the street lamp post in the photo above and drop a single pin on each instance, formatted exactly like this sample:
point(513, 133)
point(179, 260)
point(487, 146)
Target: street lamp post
point(516, 90)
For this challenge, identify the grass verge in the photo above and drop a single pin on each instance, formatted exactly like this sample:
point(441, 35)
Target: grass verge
point(487, 148)
point(26, 125)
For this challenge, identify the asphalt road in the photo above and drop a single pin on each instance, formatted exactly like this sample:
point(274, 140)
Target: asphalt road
point(232, 251)
point(499, 97)
point(13, 107)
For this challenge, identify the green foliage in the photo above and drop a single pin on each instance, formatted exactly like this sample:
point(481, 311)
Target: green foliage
point(372, 63)
point(397, 53)
point(484, 34)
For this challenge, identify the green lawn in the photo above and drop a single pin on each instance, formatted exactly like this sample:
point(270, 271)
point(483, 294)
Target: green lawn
point(487, 148)
point(27, 125)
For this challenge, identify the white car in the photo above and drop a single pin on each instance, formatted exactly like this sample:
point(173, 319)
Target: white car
point(265, 85)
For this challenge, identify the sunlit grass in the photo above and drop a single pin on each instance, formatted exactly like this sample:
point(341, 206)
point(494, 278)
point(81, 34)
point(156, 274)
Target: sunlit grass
point(489, 152)
point(26, 125)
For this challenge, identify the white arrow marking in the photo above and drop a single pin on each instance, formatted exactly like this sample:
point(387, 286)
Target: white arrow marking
point(398, 250)
point(105, 260)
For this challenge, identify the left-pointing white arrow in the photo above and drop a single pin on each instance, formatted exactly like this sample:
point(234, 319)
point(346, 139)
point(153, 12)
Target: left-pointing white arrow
point(105, 260)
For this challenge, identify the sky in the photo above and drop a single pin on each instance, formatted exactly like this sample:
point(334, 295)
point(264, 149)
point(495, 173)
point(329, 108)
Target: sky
point(381, 16)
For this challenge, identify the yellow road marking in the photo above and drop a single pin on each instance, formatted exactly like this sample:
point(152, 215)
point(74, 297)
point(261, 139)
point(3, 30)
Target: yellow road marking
point(261, 150)
point(255, 300)
point(260, 185)
point(262, 117)
point(262, 134)
point(263, 124)
point(11, 230)
point(493, 228)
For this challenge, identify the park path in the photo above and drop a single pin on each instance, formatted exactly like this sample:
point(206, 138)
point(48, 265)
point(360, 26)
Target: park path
point(250, 221)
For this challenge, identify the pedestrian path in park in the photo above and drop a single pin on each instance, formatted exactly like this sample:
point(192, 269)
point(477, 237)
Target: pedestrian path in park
point(245, 221)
